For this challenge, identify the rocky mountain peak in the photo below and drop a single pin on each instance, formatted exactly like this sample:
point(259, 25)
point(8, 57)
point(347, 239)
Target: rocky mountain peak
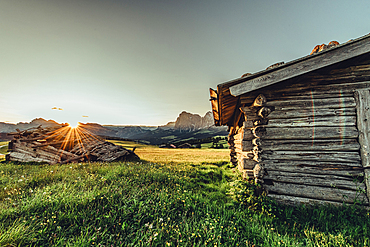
point(191, 122)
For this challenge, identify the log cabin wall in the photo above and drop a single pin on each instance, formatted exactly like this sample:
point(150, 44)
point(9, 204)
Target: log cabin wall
point(300, 138)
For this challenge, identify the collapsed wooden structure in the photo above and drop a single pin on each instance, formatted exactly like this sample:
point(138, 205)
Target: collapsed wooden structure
point(64, 145)
point(301, 128)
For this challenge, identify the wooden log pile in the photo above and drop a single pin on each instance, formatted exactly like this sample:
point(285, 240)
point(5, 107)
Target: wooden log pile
point(64, 145)
point(255, 118)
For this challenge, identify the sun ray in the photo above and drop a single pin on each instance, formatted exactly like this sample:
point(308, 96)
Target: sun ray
point(68, 138)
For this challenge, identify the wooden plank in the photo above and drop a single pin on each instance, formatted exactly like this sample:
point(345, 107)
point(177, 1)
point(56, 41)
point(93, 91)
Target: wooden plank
point(250, 113)
point(265, 111)
point(343, 87)
point(310, 133)
point(321, 156)
point(28, 155)
point(247, 145)
point(315, 167)
point(301, 95)
point(44, 153)
point(24, 157)
point(316, 192)
point(311, 112)
point(239, 135)
point(214, 104)
point(245, 155)
point(248, 174)
point(313, 103)
point(313, 121)
point(311, 63)
point(259, 101)
point(363, 117)
point(316, 180)
point(248, 134)
point(310, 89)
point(295, 200)
point(249, 164)
point(309, 145)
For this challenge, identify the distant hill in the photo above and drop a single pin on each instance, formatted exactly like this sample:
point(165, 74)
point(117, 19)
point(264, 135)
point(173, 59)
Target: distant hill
point(187, 127)
point(7, 127)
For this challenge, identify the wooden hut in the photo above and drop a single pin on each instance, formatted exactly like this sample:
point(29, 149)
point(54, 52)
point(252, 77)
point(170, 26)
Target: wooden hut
point(301, 128)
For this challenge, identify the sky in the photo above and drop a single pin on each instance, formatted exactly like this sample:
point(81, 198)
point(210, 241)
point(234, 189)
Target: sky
point(143, 62)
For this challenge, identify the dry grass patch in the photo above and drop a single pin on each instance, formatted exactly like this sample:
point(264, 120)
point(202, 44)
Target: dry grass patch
point(165, 155)
point(3, 143)
point(3, 149)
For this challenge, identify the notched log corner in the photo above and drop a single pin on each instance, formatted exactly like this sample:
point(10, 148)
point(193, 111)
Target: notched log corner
point(64, 145)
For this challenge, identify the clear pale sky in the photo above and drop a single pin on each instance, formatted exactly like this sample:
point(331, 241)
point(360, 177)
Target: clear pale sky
point(143, 62)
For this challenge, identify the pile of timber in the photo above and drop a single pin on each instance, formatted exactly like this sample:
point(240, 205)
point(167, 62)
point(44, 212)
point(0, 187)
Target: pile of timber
point(64, 145)
point(255, 116)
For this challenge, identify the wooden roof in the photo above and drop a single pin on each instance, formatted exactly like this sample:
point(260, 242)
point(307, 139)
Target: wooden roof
point(228, 92)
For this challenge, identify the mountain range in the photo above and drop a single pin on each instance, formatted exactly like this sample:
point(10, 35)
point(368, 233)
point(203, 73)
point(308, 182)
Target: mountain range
point(187, 127)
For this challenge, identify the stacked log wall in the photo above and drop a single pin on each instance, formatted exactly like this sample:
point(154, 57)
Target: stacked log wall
point(307, 149)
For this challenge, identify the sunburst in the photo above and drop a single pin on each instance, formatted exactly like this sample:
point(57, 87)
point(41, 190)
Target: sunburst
point(78, 138)
point(73, 124)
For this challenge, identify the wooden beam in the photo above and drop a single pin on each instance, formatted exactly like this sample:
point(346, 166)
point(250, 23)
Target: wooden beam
point(214, 104)
point(294, 201)
point(316, 180)
point(310, 112)
point(362, 97)
point(304, 65)
point(319, 156)
point(307, 145)
point(313, 121)
point(315, 167)
point(339, 102)
point(259, 101)
point(300, 95)
point(307, 133)
point(316, 192)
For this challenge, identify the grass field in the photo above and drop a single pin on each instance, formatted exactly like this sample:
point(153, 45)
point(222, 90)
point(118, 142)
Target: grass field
point(159, 204)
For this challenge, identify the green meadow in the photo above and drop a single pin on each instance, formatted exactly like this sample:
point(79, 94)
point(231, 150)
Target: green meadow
point(160, 201)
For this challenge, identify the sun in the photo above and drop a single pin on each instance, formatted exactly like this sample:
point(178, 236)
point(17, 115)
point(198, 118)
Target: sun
point(73, 124)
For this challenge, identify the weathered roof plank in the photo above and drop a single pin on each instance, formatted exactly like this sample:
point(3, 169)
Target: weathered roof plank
point(304, 65)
